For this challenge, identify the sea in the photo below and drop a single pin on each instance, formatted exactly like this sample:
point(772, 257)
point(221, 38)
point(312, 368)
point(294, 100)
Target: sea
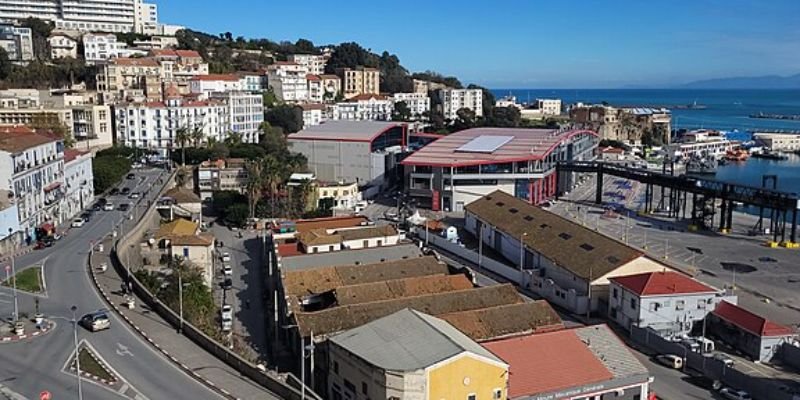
point(725, 110)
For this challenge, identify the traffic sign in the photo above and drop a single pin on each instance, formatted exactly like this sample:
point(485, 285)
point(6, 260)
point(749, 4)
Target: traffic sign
point(45, 395)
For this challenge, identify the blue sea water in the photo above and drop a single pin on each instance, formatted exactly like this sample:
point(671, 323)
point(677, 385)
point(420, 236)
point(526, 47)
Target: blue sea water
point(726, 109)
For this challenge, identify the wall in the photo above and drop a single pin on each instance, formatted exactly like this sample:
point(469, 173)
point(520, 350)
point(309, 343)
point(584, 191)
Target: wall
point(510, 273)
point(337, 160)
point(200, 257)
point(371, 242)
point(464, 375)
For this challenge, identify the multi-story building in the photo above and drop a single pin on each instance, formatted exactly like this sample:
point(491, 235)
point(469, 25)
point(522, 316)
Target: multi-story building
point(316, 91)
point(156, 42)
point(17, 41)
point(131, 79)
point(418, 103)
point(32, 168)
point(180, 65)
point(628, 125)
point(549, 106)
point(62, 45)
point(204, 84)
point(313, 114)
point(360, 80)
point(227, 174)
point(153, 125)
point(313, 63)
point(453, 171)
point(452, 100)
point(778, 141)
point(245, 113)
point(343, 194)
point(666, 301)
point(424, 87)
point(364, 107)
point(101, 47)
point(86, 16)
point(331, 87)
point(79, 181)
point(288, 81)
point(251, 81)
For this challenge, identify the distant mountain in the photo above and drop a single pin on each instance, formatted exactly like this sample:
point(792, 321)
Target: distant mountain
point(753, 82)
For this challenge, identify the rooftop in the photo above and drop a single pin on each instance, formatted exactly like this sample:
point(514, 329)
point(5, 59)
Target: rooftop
point(216, 77)
point(203, 239)
point(501, 145)
point(351, 257)
point(321, 236)
point(582, 251)
point(135, 62)
point(398, 288)
point(72, 154)
point(408, 340)
point(313, 106)
point(353, 131)
point(14, 139)
point(182, 195)
point(662, 283)
point(366, 97)
point(565, 360)
point(338, 319)
point(178, 227)
point(749, 321)
point(306, 225)
point(505, 320)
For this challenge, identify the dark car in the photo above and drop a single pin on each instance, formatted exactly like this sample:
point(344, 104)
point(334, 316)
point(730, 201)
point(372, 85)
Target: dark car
point(86, 217)
point(227, 284)
point(131, 176)
point(114, 192)
point(125, 190)
point(97, 206)
point(124, 207)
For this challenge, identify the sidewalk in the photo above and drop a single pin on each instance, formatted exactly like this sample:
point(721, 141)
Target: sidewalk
point(180, 349)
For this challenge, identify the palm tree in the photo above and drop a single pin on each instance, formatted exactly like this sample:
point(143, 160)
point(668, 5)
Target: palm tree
point(182, 136)
point(273, 177)
point(197, 135)
point(302, 192)
point(211, 141)
point(233, 139)
point(255, 183)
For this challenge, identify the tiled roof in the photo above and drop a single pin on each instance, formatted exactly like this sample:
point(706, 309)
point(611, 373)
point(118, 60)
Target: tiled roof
point(71, 154)
point(348, 234)
point(360, 131)
point(548, 362)
point(337, 319)
point(182, 195)
point(203, 239)
point(329, 76)
point(187, 53)
point(306, 225)
point(370, 255)
point(525, 145)
point(313, 106)
point(398, 288)
point(582, 251)
point(312, 77)
point(14, 139)
point(175, 53)
point(506, 320)
point(749, 321)
point(178, 227)
point(135, 62)
point(318, 237)
point(662, 283)
point(366, 97)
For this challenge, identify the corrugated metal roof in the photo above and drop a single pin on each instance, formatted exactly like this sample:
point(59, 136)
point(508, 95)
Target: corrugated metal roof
point(362, 131)
point(351, 257)
point(408, 340)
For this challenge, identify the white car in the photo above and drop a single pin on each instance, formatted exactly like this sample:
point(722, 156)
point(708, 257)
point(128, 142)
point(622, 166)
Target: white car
point(77, 222)
point(108, 206)
point(227, 324)
point(226, 257)
point(227, 312)
point(733, 394)
point(227, 270)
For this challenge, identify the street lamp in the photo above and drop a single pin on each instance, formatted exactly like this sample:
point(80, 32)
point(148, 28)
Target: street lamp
point(303, 357)
point(77, 352)
point(13, 280)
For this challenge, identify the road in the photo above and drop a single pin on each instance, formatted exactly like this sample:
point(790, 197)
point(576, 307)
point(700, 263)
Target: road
point(29, 367)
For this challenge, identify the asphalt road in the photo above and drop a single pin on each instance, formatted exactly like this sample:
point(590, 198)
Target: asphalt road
point(30, 367)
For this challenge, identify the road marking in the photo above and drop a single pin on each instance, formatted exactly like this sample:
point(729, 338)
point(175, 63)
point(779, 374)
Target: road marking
point(123, 350)
point(123, 389)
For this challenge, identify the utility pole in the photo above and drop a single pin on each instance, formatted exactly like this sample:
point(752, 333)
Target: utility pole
point(180, 299)
point(480, 248)
point(77, 352)
point(589, 295)
point(14, 285)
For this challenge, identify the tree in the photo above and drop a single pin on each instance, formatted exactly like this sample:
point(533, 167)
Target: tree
point(50, 122)
point(222, 199)
point(40, 31)
point(219, 150)
point(504, 117)
point(198, 301)
point(270, 99)
point(300, 196)
point(436, 77)
point(304, 46)
point(182, 136)
point(466, 118)
point(286, 116)
point(197, 135)
point(233, 139)
point(5, 64)
point(248, 151)
point(401, 112)
point(255, 184)
point(236, 214)
point(108, 170)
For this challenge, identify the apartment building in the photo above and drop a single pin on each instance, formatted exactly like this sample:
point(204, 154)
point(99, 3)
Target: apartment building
point(156, 42)
point(452, 100)
point(62, 45)
point(343, 195)
point(131, 79)
point(153, 125)
point(205, 84)
point(78, 181)
point(364, 107)
point(101, 47)
point(778, 141)
point(313, 114)
point(32, 169)
point(288, 81)
point(418, 103)
point(424, 87)
point(313, 63)
point(549, 106)
point(245, 113)
point(316, 91)
point(223, 174)
point(360, 80)
point(180, 66)
point(86, 16)
point(17, 42)
point(252, 81)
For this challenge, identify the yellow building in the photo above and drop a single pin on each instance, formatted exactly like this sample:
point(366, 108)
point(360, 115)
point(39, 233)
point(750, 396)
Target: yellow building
point(360, 80)
point(411, 355)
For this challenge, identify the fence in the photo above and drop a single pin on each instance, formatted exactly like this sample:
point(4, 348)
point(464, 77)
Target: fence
point(273, 383)
point(758, 387)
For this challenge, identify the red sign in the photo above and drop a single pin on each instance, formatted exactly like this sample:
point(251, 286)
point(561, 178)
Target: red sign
point(435, 201)
point(45, 395)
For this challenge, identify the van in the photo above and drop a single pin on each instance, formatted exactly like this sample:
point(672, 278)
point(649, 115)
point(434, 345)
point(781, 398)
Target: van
point(670, 360)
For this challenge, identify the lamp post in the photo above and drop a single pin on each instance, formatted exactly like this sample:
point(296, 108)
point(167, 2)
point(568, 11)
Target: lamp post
point(77, 352)
point(13, 282)
point(303, 357)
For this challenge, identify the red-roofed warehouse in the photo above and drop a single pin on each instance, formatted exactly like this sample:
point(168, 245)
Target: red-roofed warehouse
point(752, 334)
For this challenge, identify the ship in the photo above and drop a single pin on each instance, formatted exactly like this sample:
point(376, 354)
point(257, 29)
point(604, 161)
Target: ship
point(737, 155)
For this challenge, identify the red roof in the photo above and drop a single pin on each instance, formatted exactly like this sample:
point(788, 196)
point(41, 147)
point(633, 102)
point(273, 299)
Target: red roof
point(613, 150)
point(312, 106)
point(749, 321)
point(661, 283)
point(175, 53)
point(312, 77)
point(187, 53)
point(525, 145)
point(71, 154)
point(548, 362)
point(216, 77)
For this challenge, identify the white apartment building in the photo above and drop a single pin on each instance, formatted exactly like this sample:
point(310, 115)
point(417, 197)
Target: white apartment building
point(453, 100)
point(288, 81)
point(549, 106)
point(62, 46)
point(360, 80)
point(245, 113)
point(204, 84)
point(79, 181)
point(86, 15)
point(153, 125)
point(316, 91)
point(156, 42)
point(252, 82)
point(17, 41)
point(101, 47)
point(365, 107)
point(345, 195)
point(418, 103)
point(32, 168)
point(313, 63)
point(313, 114)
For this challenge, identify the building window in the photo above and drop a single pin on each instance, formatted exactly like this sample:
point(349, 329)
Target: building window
point(679, 304)
point(633, 304)
point(336, 367)
point(366, 243)
point(615, 293)
point(472, 396)
point(364, 387)
point(498, 394)
point(701, 304)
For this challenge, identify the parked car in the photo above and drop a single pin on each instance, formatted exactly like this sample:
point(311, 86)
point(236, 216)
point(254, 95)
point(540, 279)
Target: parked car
point(77, 223)
point(724, 358)
point(227, 324)
point(97, 206)
point(733, 394)
point(227, 312)
point(670, 360)
point(87, 216)
point(227, 284)
point(125, 191)
point(124, 207)
point(227, 270)
point(131, 176)
point(109, 206)
point(226, 257)
point(96, 321)
point(134, 195)
point(114, 192)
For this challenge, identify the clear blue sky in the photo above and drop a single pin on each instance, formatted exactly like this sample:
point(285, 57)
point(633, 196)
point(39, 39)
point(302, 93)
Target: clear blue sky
point(532, 44)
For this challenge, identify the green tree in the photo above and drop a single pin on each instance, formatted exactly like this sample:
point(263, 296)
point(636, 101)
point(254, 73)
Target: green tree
point(183, 135)
point(247, 151)
point(286, 116)
point(197, 135)
point(108, 171)
point(401, 112)
point(466, 118)
point(222, 199)
point(219, 150)
point(198, 301)
point(270, 99)
point(236, 214)
point(272, 139)
point(40, 31)
point(504, 117)
point(233, 139)
point(50, 122)
point(305, 46)
point(255, 184)
point(5, 64)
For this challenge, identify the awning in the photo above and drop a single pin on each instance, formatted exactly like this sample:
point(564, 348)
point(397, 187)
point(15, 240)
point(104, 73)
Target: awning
point(52, 186)
point(47, 227)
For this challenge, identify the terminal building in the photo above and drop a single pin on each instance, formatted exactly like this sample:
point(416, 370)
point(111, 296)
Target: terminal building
point(457, 169)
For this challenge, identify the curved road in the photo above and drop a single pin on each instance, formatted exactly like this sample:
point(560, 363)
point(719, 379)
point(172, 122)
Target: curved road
point(29, 367)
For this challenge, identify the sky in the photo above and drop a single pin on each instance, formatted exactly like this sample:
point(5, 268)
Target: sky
point(531, 43)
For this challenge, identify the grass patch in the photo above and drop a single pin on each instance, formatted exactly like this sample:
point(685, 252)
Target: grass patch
point(92, 366)
point(29, 280)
